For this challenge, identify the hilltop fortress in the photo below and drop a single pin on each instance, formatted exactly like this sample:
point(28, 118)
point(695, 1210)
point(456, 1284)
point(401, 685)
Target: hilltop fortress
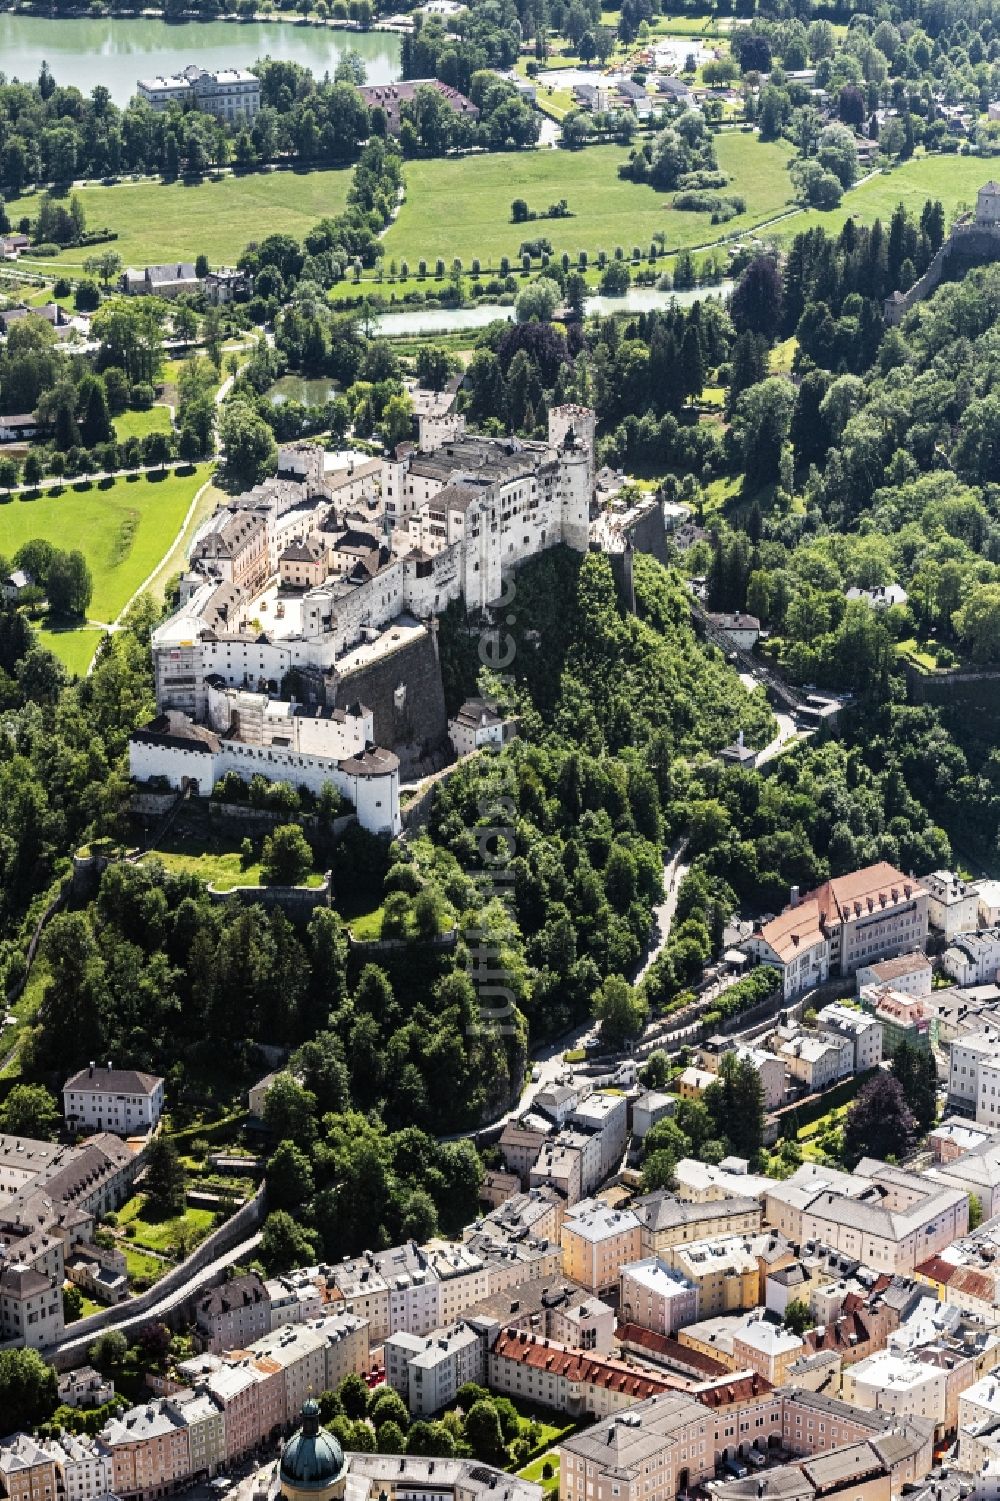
point(304, 643)
point(974, 239)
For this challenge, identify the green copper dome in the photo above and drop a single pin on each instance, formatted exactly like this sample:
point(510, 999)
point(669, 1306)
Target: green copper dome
point(312, 1460)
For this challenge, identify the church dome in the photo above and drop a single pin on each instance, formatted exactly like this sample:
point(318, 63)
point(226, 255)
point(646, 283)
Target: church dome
point(312, 1460)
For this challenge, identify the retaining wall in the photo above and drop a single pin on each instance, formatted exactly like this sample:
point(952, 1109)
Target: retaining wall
point(181, 1279)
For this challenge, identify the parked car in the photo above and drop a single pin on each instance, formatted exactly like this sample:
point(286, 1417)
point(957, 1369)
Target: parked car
point(737, 1469)
point(757, 1458)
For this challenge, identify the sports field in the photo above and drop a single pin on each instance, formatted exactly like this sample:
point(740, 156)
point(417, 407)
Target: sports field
point(954, 179)
point(123, 531)
point(462, 208)
point(158, 222)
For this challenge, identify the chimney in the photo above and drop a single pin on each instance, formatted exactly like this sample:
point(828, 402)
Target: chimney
point(90, 1070)
point(794, 897)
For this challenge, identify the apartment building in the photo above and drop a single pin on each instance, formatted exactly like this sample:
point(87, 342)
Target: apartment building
point(910, 973)
point(978, 1423)
point(205, 1420)
point(952, 904)
point(232, 1316)
point(28, 1471)
point(299, 1350)
point(659, 1449)
point(85, 1465)
point(966, 1056)
point(596, 1244)
point(150, 1452)
point(706, 1182)
point(427, 1370)
point(655, 1296)
point(667, 1221)
point(534, 1370)
point(767, 1348)
point(816, 1062)
point(862, 1032)
point(648, 1109)
point(973, 958)
point(890, 1382)
point(729, 1272)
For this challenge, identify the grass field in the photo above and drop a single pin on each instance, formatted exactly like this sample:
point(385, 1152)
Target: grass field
point(215, 860)
point(607, 211)
point(954, 179)
point(74, 647)
point(160, 221)
point(137, 424)
point(123, 530)
point(162, 1234)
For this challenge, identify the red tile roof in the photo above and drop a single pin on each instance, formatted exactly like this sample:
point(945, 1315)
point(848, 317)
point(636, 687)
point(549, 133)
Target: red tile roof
point(575, 1365)
point(936, 1269)
point(738, 1389)
point(669, 1348)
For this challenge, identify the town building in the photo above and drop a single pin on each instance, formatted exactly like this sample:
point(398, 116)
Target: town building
point(651, 1107)
point(667, 1221)
point(973, 958)
point(476, 725)
point(952, 904)
point(768, 1348)
point(125, 1102)
point(390, 98)
point(897, 1383)
point(174, 279)
point(540, 1371)
point(902, 1018)
point(849, 921)
point(880, 596)
point(232, 1316)
point(729, 1271)
point(888, 1218)
point(815, 1063)
point(907, 974)
point(741, 629)
point(864, 1033)
point(653, 1295)
point(596, 1244)
point(427, 1370)
point(84, 1387)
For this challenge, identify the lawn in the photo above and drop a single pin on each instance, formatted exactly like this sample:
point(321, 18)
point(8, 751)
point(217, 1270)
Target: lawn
point(142, 1269)
point(160, 1234)
point(74, 645)
point(954, 179)
point(163, 221)
point(214, 861)
point(533, 1471)
point(123, 529)
point(137, 424)
point(606, 210)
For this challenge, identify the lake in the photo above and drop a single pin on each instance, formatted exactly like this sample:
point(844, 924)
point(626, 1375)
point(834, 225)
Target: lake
point(116, 52)
point(311, 393)
point(457, 320)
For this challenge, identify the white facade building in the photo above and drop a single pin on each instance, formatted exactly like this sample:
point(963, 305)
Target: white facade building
point(952, 904)
point(863, 1033)
point(655, 1296)
point(123, 1101)
point(228, 93)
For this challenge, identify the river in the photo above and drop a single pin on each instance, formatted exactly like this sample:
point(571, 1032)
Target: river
point(447, 320)
point(117, 51)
